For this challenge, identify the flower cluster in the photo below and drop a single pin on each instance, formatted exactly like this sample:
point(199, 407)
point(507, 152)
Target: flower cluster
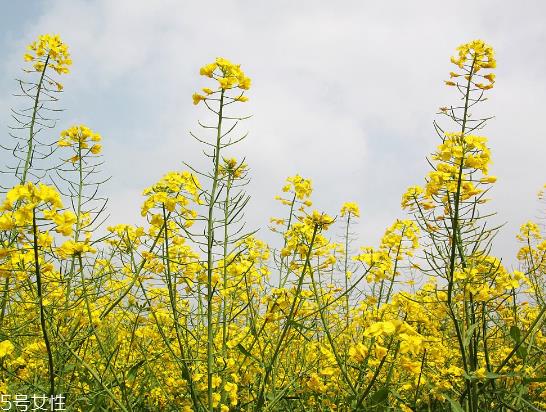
point(174, 192)
point(228, 75)
point(82, 139)
point(232, 168)
point(49, 51)
point(457, 161)
point(473, 57)
point(350, 209)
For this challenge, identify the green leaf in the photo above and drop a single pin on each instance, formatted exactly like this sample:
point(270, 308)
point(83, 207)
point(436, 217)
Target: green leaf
point(468, 334)
point(492, 375)
point(522, 352)
point(455, 405)
point(134, 369)
point(379, 396)
point(515, 333)
point(245, 352)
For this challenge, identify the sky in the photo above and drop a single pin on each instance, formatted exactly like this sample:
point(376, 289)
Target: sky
point(344, 93)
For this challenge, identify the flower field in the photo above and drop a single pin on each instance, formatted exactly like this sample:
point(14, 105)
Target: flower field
point(193, 312)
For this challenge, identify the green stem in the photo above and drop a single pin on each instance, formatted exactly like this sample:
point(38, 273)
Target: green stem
point(30, 152)
point(210, 257)
point(345, 267)
point(172, 300)
point(287, 324)
point(226, 238)
point(455, 230)
point(41, 305)
point(329, 337)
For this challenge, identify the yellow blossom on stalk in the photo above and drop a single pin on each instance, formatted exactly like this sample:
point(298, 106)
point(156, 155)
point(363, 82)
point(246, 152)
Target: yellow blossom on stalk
point(232, 168)
point(300, 186)
point(49, 49)
point(472, 57)
point(379, 262)
point(358, 352)
point(6, 348)
point(350, 208)
point(216, 397)
point(173, 192)
point(380, 328)
point(7, 221)
point(380, 351)
point(208, 69)
point(316, 384)
point(32, 195)
point(529, 230)
point(477, 52)
point(457, 153)
point(322, 220)
point(228, 75)
point(488, 179)
point(81, 137)
point(397, 233)
point(232, 388)
point(410, 199)
point(64, 221)
point(197, 98)
point(72, 248)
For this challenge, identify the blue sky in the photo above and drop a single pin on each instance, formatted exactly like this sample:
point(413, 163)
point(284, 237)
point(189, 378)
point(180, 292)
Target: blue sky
point(343, 93)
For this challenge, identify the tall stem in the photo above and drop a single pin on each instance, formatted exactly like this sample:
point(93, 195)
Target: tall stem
point(41, 305)
point(30, 152)
point(210, 258)
point(224, 269)
point(287, 324)
point(454, 241)
point(28, 162)
point(345, 267)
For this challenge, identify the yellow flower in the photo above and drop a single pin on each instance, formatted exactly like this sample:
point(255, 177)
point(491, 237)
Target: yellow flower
point(322, 220)
point(232, 168)
point(472, 57)
point(488, 179)
point(316, 384)
point(64, 221)
point(380, 351)
point(32, 195)
point(71, 248)
point(79, 137)
point(228, 76)
point(350, 208)
point(358, 353)
point(197, 98)
point(96, 149)
point(6, 348)
point(380, 328)
point(300, 186)
point(480, 373)
point(216, 397)
point(208, 69)
point(49, 48)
